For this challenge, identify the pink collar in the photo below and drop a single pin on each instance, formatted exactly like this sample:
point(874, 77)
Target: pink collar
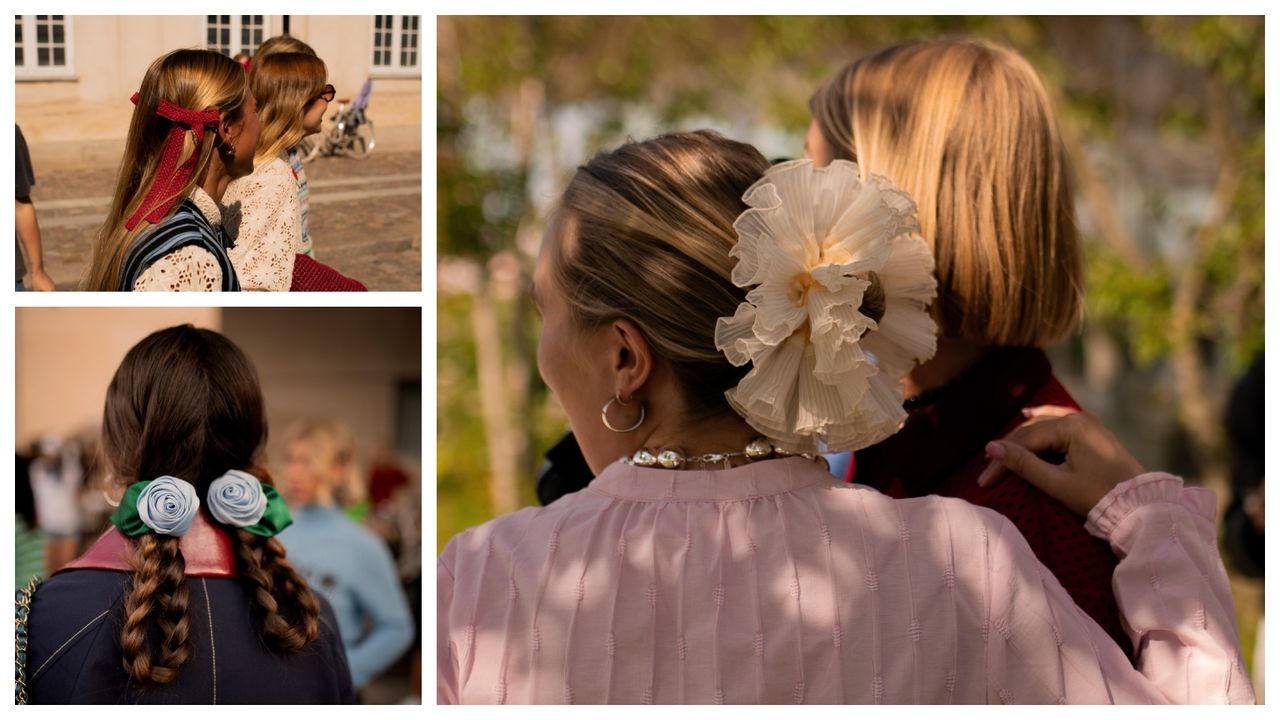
point(206, 548)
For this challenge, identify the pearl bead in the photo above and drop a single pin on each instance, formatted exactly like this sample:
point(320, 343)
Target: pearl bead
point(644, 458)
point(759, 448)
point(670, 459)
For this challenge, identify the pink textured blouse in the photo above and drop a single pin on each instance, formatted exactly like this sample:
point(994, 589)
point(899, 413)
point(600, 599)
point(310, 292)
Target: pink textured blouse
point(774, 583)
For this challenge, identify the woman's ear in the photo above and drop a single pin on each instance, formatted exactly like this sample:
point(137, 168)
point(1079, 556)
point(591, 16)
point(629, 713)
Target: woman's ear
point(632, 356)
point(229, 130)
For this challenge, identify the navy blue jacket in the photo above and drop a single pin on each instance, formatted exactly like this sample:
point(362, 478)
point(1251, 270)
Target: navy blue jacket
point(75, 653)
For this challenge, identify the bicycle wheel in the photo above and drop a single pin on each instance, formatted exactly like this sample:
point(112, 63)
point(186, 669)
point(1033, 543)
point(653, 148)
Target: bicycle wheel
point(309, 148)
point(360, 141)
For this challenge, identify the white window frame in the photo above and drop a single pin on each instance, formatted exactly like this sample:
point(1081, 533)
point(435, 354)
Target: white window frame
point(34, 71)
point(397, 36)
point(236, 27)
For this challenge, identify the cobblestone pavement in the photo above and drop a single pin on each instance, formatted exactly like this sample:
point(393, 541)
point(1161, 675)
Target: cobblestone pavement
point(365, 218)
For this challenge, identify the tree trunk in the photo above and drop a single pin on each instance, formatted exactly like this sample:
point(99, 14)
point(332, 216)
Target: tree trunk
point(499, 431)
point(1196, 408)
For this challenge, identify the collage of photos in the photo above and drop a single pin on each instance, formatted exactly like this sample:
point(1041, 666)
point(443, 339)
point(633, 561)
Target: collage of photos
point(218, 502)
point(804, 359)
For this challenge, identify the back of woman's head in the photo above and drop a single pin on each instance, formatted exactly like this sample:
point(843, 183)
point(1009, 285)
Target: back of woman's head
point(190, 79)
point(284, 85)
point(645, 233)
point(186, 402)
point(968, 130)
point(282, 43)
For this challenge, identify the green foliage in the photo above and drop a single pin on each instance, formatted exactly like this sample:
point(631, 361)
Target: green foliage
point(1132, 304)
point(462, 497)
point(462, 500)
point(758, 72)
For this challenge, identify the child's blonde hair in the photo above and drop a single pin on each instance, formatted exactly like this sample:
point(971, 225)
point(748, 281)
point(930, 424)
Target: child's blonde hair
point(284, 84)
point(332, 456)
point(967, 129)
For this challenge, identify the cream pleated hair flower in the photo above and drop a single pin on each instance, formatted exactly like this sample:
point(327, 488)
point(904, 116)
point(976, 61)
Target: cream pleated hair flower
point(814, 244)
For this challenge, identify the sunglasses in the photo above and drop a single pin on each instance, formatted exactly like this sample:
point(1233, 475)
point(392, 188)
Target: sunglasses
point(328, 93)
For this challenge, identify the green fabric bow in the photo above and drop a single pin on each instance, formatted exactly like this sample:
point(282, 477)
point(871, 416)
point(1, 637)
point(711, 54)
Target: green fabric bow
point(275, 518)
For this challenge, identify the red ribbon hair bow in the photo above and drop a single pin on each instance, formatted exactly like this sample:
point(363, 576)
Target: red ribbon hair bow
point(170, 178)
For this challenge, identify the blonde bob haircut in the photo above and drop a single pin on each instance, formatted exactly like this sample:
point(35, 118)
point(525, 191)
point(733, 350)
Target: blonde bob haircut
point(967, 129)
point(643, 233)
point(192, 79)
point(284, 84)
point(332, 454)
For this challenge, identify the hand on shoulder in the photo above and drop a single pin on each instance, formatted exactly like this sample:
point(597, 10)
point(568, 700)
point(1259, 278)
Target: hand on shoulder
point(1095, 460)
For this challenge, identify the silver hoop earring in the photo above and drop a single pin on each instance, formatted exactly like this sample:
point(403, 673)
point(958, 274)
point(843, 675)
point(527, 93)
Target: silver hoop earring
point(604, 415)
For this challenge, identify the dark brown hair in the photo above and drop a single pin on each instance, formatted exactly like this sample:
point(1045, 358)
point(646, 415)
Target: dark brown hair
point(646, 231)
point(186, 402)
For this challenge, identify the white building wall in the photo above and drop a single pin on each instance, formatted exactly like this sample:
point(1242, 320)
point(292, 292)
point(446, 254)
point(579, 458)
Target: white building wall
point(82, 120)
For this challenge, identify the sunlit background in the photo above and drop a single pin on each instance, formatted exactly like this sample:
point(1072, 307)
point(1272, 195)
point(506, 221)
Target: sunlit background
point(1163, 121)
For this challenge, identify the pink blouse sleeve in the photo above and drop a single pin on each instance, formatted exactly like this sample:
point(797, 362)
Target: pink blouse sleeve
point(446, 660)
point(1174, 600)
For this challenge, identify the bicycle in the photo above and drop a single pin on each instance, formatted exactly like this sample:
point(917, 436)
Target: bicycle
point(351, 133)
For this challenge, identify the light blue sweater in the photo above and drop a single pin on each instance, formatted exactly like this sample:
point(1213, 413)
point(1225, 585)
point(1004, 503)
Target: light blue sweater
point(353, 569)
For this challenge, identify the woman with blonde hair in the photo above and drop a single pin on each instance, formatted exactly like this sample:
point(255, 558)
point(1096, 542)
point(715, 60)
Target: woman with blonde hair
point(189, 597)
point(968, 130)
point(288, 43)
point(709, 323)
point(346, 562)
point(194, 130)
point(264, 218)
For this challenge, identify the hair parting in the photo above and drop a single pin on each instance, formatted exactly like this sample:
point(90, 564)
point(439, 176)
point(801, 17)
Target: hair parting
point(186, 402)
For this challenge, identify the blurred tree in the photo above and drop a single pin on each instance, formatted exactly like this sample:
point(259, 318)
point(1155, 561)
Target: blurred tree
point(1163, 119)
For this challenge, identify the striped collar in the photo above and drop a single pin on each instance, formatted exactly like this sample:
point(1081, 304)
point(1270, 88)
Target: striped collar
point(207, 206)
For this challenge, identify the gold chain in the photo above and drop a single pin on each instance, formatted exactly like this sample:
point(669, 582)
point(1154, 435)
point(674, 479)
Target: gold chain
point(22, 619)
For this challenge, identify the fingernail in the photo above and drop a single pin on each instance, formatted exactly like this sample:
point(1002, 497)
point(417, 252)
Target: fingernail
point(995, 451)
point(985, 476)
point(1026, 412)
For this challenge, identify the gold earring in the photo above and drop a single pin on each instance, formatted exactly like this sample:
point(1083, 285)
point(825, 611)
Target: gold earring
point(604, 415)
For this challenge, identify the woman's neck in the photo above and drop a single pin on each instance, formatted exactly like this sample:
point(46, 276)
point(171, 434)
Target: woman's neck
point(215, 180)
point(953, 357)
point(719, 435)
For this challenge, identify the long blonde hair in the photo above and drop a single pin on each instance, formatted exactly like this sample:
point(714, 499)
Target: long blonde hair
point(192, 79)
point(284, 85)
point(967, 128)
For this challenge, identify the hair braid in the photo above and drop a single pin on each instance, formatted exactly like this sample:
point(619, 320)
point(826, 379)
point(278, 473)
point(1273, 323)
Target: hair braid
point(288, 610)
point(154, 638)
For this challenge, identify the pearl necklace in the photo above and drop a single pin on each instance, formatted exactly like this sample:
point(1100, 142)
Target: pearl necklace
point(672, 459)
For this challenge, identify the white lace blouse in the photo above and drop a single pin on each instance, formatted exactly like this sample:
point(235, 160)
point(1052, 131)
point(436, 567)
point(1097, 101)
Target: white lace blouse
point(191, 268)
point(264, 226)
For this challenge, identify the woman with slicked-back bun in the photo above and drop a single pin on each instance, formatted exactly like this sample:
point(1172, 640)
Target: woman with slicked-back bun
point(188, 598)
point(710, 325)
